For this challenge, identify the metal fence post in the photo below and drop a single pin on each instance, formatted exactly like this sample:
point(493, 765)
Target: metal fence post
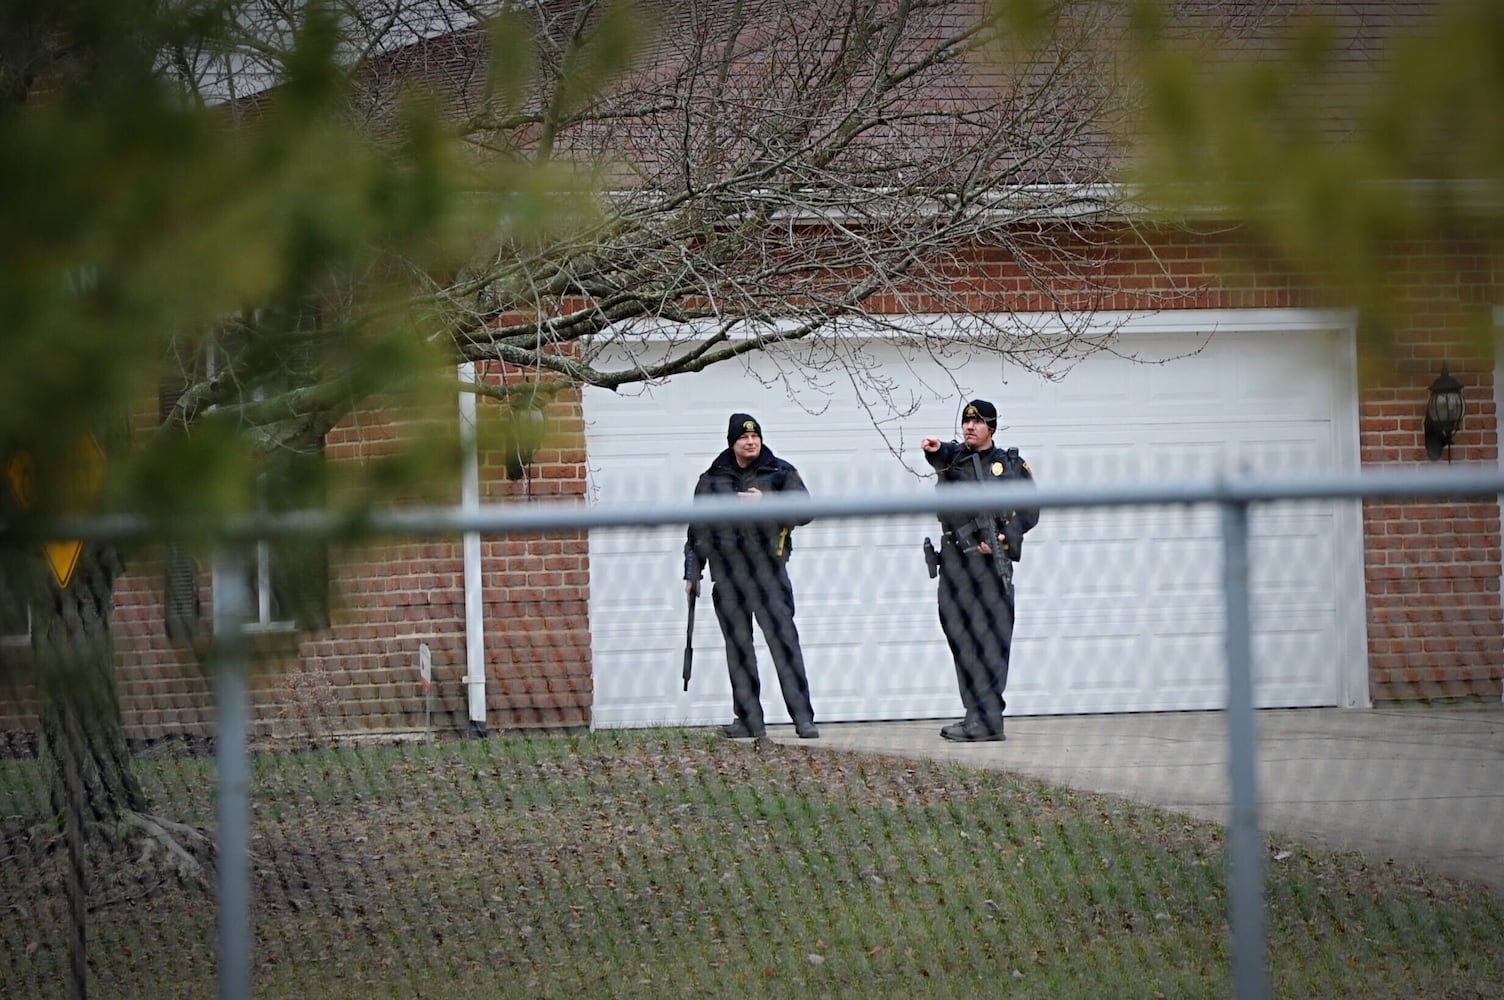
point(1246, 897)
point(232, 601)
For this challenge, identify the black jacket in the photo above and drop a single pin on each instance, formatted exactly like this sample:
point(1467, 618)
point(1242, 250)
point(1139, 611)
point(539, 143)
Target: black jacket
point(953, 461)
point(730, 548)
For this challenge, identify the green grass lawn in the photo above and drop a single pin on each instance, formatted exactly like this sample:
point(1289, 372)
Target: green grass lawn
point(671, 863)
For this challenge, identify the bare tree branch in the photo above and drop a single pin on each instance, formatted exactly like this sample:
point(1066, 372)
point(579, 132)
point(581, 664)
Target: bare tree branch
point(774, 166)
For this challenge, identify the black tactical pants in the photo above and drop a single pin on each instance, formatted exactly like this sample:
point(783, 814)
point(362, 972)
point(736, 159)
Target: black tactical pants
point(766, 594)
point(976, 614)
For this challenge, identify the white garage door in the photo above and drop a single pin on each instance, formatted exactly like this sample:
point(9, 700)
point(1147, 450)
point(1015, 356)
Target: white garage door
point(1119, 609)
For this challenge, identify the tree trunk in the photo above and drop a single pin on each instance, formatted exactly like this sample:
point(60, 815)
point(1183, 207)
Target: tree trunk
point(80, 705)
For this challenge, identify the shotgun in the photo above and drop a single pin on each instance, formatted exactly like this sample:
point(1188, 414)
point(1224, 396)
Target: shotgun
point(689, 638)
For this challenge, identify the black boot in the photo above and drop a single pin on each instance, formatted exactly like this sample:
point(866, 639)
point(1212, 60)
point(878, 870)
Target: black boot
point(953, 730)
point(975, 731)
point(740, 730)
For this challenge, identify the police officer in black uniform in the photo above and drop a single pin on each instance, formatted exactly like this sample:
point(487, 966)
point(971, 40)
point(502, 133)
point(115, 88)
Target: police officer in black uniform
point(748, 566)
point(976, 571)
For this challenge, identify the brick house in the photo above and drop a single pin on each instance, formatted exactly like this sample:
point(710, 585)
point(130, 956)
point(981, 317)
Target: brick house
point(1403, 602)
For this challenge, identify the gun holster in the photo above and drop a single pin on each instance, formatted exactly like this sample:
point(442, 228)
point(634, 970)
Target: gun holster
point(931, 558)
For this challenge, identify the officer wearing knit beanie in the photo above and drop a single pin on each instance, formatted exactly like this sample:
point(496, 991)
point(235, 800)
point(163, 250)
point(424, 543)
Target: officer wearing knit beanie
point(975, 570)
point(742, 423)
point(980, 409)
point(750, 579)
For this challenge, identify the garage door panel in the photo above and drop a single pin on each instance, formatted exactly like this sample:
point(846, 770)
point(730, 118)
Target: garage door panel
point(859, 594)
point(1102, 571)
point(1097, 663)
point(633, 543)
point(896, 662)
point(862, 631)
point(1115, 680)
point(1083, 389)
point(1284, 666)
point(1294, 384)
point(1276, 689)
point(1275, 390)
point(932, 705)
point(900, 619)
point(1190, 460)
point(902, 675)
point(1119, 609)
point(1086, 464)
point(1272, 604)
point(638, 685)
point(1278, 458)
point(879, 538)
point(617, 578)
point(632, 613)
point(1284, 589)
point(1195, 381)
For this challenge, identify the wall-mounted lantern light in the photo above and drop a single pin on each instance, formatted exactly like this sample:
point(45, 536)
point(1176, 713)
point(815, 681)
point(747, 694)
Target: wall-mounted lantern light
point(528, 431)
point(1444, 412)
point(525, 428)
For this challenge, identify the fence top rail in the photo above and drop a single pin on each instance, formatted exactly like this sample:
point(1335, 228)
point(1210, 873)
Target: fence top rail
point(1481, 482)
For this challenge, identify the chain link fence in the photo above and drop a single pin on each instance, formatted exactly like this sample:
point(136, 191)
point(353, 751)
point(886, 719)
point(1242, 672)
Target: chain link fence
point(651, 855)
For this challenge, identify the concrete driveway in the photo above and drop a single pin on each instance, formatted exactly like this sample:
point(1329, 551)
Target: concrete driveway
point(1423, 786)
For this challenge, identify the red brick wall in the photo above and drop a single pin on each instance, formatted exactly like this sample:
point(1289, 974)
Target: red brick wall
point(360, 674)
point(1433, 568)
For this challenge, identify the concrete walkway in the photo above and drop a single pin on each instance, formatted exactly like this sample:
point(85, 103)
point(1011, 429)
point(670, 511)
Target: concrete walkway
point(1421, 786)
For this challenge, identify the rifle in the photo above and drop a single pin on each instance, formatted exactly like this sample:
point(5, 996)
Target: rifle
point(689, 637)
point(984, 528)
point(989, 527)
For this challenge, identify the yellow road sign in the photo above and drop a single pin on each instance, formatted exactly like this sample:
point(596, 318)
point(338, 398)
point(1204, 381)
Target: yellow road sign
point(62, 559)
point(87, 467)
